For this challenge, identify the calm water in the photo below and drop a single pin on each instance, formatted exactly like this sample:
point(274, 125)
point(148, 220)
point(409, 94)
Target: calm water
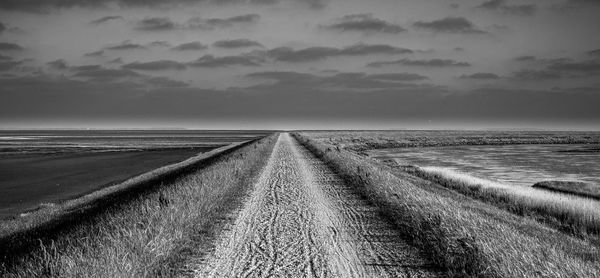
point(514, 164)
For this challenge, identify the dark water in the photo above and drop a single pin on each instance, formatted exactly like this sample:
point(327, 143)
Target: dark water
point(41, 167)
point(513, 164)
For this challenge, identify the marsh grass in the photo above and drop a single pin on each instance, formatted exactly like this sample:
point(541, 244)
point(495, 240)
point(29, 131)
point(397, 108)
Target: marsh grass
point(575, 214)
point(466, 237)
point(153, 234)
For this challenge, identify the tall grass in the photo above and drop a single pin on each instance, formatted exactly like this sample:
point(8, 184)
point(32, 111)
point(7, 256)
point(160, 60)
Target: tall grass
point(467, 238)
point(154, 235)
point(580, 215)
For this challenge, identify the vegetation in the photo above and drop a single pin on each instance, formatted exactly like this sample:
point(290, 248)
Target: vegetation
point(575, 214)
point(466, 237)
point(153, 233)
point(575, 188)
point(360, 141)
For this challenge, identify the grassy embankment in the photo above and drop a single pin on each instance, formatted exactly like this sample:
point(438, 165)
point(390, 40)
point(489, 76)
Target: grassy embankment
point(147, 233)
point(464, 236)
point(580, 216)
point(569, 187)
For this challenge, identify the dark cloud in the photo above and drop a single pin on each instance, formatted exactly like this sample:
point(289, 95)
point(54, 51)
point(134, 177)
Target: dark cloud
point(155, 65)
point(7, 46)
point(595, 52)
point(357, 81)
point(44, 6)
point(590, 67)
point(86, 67)
point(214, 23)
point(535, 75)
point(8, 65)
point(236, 43)
point(155, 24)
point(437, 63)
point(449, 25)
point(160, 44)
point(107, 75)
point(2, 27)
point(106, 19)
point(210, 61)
point(59, 64)
point(190, 46)
point(527, 58)
point(118, 60)
point(287, 54)
point(5, 58)
point(364, 23)
point(501, 6)
point(165, 82)
point(398, 77)
point(98, 53)
point(480, 75)
point(126, 45)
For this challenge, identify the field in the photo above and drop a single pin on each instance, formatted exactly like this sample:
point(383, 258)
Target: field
point(318, 204)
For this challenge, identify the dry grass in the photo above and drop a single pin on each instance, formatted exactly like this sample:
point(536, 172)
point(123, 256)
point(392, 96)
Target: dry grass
point(580, 215)
point(152, 234)
point(468, 238)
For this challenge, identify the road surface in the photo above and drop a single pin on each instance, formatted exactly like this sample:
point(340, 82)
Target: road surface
point(301, 220)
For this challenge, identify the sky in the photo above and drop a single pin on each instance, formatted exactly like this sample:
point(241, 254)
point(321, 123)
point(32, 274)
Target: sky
point(300, 64)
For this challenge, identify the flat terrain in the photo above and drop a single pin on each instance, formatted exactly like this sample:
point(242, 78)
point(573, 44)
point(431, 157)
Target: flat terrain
point(31, 179)
point(301, 220)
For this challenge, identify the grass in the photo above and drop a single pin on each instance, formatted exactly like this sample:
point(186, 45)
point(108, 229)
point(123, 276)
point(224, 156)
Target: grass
point(360, 141)
point(464, 236)
point(569, 187)
point(578, 215)
point(151, 234)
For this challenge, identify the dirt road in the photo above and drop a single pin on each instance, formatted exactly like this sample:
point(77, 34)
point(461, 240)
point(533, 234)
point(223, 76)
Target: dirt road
point(301, 220)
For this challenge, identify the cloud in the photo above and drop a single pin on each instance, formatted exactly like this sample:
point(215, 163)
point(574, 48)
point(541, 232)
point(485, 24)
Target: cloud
point(107, 75)
point(117, 60)
point(398, 77)
point(155, 65)
point(7, 46)
point(214, 23)
point(126, 45)
point(502, 7)
point(480, 75)
point(160, 43)
point(287, 54)
point(190, 46)
point(98, 53)
point(449, 25)
point(155, 24)
point(354, 81)
point(438, 63)
point(106, 19)
point(210, 61)
point(595, 52)
point(5, 58)
point(236, 43)
point(535, 75)
point(165, 82)
point(8, 65)
point(2, 27)
point(365, 23)
point(86, 67)
point(45, 6)
point(59, 64)
point(589, 67)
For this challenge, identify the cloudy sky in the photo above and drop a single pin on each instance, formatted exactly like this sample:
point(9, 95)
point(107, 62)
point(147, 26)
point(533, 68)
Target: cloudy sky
point(300, 63)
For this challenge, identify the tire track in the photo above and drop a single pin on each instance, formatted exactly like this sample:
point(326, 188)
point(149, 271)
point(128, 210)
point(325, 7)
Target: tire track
point(301, 220)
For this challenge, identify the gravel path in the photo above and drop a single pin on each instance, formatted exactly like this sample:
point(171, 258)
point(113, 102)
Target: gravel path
point(301, 220)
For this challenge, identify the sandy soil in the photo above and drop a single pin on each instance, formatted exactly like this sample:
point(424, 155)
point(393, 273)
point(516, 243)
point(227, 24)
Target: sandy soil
point(301, 220)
